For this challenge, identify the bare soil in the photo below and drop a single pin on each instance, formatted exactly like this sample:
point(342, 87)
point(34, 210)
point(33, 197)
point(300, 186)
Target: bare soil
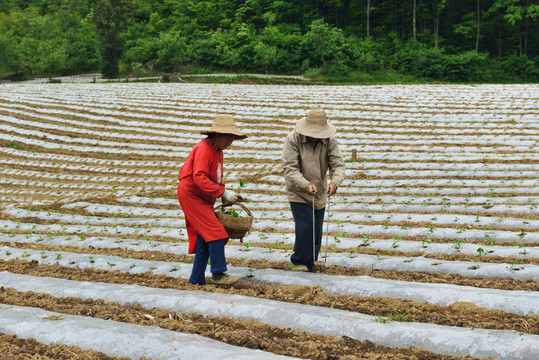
point(14, 348)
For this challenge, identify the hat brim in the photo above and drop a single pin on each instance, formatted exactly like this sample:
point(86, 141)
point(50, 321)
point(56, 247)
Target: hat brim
point(318, 132)
point(239, 136)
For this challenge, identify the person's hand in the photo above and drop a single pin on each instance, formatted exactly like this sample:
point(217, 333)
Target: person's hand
point(331, 189)
point(311, 189)
point(230, 197)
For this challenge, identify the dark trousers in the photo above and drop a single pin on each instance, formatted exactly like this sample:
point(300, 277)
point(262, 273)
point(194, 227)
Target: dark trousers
point(303, 245)
point(213, 250)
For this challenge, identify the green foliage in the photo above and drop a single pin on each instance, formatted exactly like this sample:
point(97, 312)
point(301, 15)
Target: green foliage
point(9, 56)
point(520, 67)
point(366, 55)
point(326, 45)
point(513, 11)
point(265, 55)
point(230, 212)
point(109, 18)
point(172, 51)
point(287, 43)
point(323, 41)
point(218, 50)
point(434, 64)
point(43, 56)
point(326, 40)
point(466, 67)
point(82, 50)
point(141, 51)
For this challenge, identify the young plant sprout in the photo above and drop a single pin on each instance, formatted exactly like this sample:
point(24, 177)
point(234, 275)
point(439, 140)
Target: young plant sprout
point(247, 245)
point(514, 264)
point(523, 247)
point(427, 241)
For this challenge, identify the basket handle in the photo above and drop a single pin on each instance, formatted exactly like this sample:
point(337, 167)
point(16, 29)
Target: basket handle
point(236, 203)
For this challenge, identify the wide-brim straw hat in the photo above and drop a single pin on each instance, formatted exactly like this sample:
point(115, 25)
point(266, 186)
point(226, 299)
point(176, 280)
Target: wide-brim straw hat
point(316, 125)
point(224, 124)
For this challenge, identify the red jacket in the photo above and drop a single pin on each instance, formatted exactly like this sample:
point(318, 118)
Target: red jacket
point(200, 185)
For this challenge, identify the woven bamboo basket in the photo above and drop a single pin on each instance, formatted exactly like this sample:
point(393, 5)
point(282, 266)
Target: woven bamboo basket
point(236, 227)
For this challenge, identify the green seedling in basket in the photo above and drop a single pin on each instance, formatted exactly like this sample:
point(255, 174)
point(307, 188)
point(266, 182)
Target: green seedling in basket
point(230, 212)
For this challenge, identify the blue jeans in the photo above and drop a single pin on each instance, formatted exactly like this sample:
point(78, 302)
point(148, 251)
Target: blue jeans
point(215, 251)
point(303, 245)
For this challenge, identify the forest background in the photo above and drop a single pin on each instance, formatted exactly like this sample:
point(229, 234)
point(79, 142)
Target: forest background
point(370, 41)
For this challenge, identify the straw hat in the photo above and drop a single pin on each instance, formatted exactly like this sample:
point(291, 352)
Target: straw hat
point(224, 124)
point(316, 125)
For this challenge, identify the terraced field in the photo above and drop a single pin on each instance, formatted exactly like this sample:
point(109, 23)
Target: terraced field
point(432, 248)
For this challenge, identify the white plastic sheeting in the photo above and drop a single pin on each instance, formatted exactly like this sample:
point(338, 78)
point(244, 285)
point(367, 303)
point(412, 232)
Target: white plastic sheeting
point(162, 222)
point(370, 213)
point(116, 338)
point(339, 101)
point(525, 272)
point(320, 320)
point(239, 251)
point(473, 118)
point(521, 302)
point(434, 232)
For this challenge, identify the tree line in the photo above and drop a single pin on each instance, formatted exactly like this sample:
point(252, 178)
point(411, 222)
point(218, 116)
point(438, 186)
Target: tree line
point(434, 40)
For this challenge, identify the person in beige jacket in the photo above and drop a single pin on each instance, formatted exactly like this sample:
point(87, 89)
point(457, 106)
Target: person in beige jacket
point(310, 150)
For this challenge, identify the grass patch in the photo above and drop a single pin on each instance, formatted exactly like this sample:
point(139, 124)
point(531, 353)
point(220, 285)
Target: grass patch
point(242, 79)
point(12, 144)
point(360, 77)
point(312, 76)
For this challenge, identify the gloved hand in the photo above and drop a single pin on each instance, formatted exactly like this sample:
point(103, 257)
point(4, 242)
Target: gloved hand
point(230, 197)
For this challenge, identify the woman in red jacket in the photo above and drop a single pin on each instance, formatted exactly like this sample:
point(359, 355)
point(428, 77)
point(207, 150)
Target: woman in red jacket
point(200, 185)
